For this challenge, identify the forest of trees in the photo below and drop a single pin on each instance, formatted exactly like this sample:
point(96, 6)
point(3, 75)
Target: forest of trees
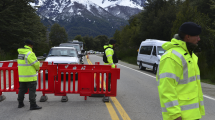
point(161, 19)
point(93, 43)
point(19, 22)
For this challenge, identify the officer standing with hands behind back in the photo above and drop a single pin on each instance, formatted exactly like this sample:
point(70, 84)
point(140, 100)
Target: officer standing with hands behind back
point(28, 65)
point(178, 76)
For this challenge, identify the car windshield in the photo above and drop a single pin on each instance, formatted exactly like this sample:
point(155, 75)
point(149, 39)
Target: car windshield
point(161, 51)
point(70, 45)
point(62, 52)
point(77, 47)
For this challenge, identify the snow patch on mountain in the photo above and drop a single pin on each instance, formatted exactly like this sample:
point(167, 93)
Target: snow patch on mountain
point(109, 3)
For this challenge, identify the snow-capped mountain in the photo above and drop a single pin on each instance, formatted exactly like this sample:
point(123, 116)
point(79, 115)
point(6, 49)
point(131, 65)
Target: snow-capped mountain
point(97, 16)
point(64, 9)
point(67, 9)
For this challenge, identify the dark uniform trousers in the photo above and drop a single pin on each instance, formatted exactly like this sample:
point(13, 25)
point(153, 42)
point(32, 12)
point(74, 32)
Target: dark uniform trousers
point(24, 86)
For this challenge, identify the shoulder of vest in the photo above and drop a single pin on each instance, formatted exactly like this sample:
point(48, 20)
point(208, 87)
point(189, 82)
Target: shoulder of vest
point(23, 48)
point(107, 49)
point(171, 53)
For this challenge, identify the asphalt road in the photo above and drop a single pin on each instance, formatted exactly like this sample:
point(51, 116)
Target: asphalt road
point(137, 99)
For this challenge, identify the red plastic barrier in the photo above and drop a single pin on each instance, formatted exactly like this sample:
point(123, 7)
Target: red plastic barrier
point(89, 76)
point(8, 76)
point(85, 79)
point(50, 71)
point(9, 71)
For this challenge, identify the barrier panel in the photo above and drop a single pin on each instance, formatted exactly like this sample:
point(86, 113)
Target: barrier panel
point(9, 81)
point(82, 79)
point(9, 77)
point(46, 85)
point(89, 76)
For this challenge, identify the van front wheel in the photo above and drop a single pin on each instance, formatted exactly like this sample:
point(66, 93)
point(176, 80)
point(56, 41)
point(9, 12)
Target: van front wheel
point(141, 67)
point(155, 67)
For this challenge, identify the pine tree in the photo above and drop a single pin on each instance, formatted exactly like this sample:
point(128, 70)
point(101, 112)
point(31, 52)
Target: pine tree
point(57, 35)
point(79, 38)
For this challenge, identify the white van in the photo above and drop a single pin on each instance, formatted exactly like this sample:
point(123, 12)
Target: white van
point(149, 54)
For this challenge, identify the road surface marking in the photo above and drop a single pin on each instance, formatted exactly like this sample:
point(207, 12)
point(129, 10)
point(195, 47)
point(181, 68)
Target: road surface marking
point(119, 107)
point(109, 106)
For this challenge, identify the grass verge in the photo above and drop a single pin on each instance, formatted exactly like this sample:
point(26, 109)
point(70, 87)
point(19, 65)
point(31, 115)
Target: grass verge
point(131, 60)
point(207, 81)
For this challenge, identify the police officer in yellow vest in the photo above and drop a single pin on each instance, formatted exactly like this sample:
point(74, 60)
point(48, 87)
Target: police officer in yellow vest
point(109, 52)
point(28, 65)
point(110, 57)
point(178, 76)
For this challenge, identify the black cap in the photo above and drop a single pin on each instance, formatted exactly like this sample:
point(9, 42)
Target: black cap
point(190, 28)
point(112, 41)
point(29, 42)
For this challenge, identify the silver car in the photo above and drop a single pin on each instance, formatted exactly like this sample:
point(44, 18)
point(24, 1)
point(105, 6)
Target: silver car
point(62, 55)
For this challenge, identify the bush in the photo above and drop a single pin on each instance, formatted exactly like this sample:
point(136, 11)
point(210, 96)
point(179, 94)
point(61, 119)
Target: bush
point(131, 60)
point(6, 56)
point(122, 54)
point(205, 72)
point(128, 55)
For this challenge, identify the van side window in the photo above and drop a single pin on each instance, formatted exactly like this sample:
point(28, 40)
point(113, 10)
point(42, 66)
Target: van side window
point(154, 51)
point(146, 50)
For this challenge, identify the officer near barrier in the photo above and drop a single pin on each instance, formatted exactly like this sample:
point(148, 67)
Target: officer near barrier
point(178, 76)
point(28, 65)
point(110, 57)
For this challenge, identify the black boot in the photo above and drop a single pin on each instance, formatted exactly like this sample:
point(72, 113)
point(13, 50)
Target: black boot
point(35, 107)
point(21, 104)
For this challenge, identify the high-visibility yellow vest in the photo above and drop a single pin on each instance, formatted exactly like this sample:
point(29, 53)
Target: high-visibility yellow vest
point(28, 65)
point(179, 86)
point(109, 53)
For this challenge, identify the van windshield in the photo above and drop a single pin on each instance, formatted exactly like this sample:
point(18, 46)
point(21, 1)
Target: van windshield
point(161, 51)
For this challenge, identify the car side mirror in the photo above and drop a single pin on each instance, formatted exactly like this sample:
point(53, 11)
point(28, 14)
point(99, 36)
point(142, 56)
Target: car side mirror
point(44, 55)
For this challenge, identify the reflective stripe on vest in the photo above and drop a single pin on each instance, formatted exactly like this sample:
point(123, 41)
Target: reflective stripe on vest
point(173, 76)
point(109, 55)
point(27, 75)
point(26, 60)
point(184, 107)
point(185, 68)
point(28, 64)
point(171, 104)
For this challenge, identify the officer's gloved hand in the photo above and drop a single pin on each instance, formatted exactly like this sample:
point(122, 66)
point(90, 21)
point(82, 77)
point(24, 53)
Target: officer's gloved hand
point(113, 66)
